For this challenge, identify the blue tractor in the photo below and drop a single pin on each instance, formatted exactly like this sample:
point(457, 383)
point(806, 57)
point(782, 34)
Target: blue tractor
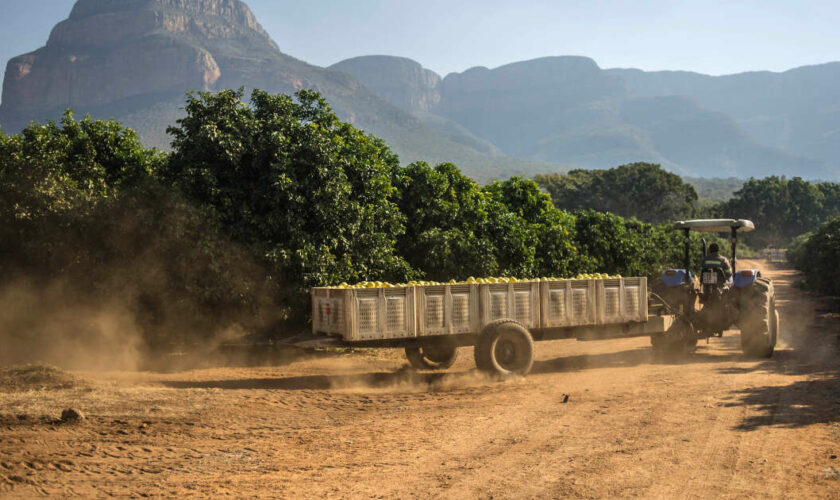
point(708, 306)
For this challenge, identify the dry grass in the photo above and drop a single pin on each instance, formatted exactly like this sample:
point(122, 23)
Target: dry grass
point(36, 377)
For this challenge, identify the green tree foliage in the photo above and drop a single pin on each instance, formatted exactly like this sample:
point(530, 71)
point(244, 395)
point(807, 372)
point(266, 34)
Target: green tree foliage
point(82, 210)
point(261, 200)
point(52, 178)
point(831, 198)
point(550, 231)
point(641, 190)
point(613, 244)
point(446, 216)
point(781, 208)
point(456, 229)
point(816, 254)
point(311, 195)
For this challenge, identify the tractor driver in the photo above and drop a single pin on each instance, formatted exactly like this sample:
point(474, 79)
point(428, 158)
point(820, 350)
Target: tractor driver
point(714, 260)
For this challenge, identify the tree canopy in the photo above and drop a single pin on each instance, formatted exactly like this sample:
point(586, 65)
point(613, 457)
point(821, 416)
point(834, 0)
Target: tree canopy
point(781, 208)
point(310, 194)
point(816, 254)
point(265, 197)
point(641, 190)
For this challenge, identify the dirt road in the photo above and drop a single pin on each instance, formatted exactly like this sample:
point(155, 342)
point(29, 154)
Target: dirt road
point(360, 426)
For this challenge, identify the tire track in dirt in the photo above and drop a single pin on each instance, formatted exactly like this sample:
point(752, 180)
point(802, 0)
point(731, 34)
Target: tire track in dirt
point(361, 426)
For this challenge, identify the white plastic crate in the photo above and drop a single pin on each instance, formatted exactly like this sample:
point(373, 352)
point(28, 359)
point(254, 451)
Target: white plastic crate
point(414, 311)
point(568, 303)
point(519, 301)
point(447, 309)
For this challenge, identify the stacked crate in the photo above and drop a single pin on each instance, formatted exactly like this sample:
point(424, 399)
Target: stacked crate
point(363, 314)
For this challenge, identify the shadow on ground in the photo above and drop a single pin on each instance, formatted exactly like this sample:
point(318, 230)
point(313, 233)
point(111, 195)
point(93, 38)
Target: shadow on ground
point(811, 333)
point(230, 355)
point(799, 404)
point(410, 378)
point(402, 377)
point(634, 357)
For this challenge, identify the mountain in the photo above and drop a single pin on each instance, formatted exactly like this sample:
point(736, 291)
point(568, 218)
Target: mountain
point(135, 59)
point(415, 89)
point(400, 80)
point(568, 110)
point(797, 110)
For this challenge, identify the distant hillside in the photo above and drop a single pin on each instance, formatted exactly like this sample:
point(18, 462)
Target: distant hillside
point(135, 59)
point(715, 189)
point(568, 110)
point(796, 110)
point(415, 89)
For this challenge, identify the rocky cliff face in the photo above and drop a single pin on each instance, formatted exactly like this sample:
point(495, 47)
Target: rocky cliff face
point(123, 57)
point(134, 60)
point(399, 80)
point(112, 50)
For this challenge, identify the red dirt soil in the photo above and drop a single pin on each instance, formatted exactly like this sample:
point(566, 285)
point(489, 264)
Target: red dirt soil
point(361, 425)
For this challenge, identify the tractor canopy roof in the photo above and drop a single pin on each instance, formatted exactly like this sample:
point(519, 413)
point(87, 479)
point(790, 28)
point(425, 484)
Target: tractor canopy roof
point(716, 225)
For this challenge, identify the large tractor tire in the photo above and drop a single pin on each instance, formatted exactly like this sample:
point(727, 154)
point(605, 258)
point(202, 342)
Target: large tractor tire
point(759, 320)
point(504, 347)
point(680, 340)
point(432, 356)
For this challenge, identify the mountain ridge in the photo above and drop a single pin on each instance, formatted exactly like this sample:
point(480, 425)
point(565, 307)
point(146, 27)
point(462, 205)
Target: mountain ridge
point(567, 109)
point(135, 59)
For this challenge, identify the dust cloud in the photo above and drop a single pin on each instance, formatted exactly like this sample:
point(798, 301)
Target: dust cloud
point(57, 324)
point(52, 325)
point(353, 375)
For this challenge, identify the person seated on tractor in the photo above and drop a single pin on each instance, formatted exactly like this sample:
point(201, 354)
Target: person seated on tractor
point(714, 260)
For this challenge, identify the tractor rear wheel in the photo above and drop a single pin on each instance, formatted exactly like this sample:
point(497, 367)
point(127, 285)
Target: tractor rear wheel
point(432, 356)
point(504, 347)
point(759, 320)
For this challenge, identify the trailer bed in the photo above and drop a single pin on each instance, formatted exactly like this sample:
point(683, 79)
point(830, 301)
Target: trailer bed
point(367, 315)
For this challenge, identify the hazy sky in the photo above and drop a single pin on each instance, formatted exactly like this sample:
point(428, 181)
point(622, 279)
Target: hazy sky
point(708, 36)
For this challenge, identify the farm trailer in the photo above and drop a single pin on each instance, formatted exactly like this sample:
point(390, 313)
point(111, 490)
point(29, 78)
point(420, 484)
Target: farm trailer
point(502, 320)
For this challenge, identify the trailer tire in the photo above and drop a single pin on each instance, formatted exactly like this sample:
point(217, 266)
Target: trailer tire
point(504, 347)
point(432, 356)
point(759, 319)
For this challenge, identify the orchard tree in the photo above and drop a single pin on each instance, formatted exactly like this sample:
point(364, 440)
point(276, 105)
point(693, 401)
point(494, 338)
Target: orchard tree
point(641, 190)
point(816, 254)
point(53, 177)
point(309, 193)
point(781, 208)
point(446, 222)
point(550, 231)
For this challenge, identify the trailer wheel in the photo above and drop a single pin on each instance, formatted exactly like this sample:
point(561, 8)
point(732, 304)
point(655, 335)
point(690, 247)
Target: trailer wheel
point(504, 347)
point(759, 320)
point(432, 356)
